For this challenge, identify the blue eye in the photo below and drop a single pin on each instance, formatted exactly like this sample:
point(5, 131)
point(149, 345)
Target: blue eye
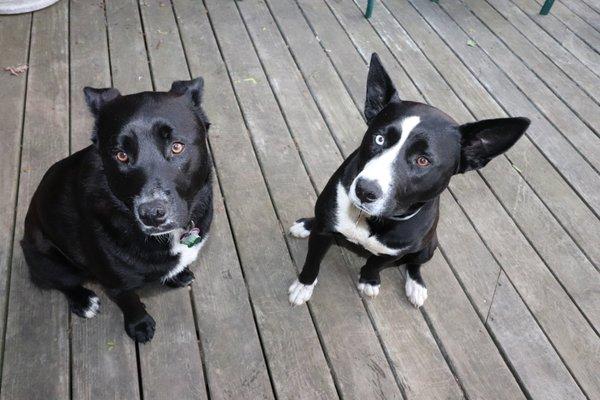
point(380, 140)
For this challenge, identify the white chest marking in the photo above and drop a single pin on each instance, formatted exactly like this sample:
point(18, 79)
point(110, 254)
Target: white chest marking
point(187, 255)
point(353, 225)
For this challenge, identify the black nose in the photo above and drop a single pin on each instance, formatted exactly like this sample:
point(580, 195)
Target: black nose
point(153, 213)
point(367, 190)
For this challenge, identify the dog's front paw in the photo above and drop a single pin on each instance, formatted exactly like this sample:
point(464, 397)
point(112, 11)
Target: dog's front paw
point(85, 304)
point(300, 229)
point(182, 279)
point(416, 292)
point(300, 293)
point(368, 289)
point(142, 329)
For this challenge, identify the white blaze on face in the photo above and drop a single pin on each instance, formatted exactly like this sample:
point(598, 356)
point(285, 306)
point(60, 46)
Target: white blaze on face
point(381, 168)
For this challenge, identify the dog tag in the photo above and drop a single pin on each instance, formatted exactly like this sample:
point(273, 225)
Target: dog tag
point(191, 237)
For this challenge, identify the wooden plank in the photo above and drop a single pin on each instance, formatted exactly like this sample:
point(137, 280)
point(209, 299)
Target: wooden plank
point(585, 12)
point(562, 322)
point(534, 353)
point(574, 130)
point(175, 343)
point(37, 342)
point(129, 66)
point(542, 64)
point(419, 364)
point(572, 66)
point(561, 33)
point(365, 370)
point(580, 27)
point(235, 364)
point(14, 44)
point(104, 360)
point(474, 356)
point(453, 238)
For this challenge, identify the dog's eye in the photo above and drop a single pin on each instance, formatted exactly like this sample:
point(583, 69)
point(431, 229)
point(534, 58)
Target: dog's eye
point(177, 147)
point(423, 161)
point(379, 139)
point(122, 157)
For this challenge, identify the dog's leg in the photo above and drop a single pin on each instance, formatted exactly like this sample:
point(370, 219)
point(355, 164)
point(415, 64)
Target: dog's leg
point(301, 290)
point(416, 291)
point(139, 325)
point(52, 270)
point(369, 281)
point(182, 279)
point(302, 228)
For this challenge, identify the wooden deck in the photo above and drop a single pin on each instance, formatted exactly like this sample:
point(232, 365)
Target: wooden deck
point(514, 306)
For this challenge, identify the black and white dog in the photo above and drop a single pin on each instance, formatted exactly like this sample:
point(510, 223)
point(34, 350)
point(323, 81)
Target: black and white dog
point(384, 198)
point(132, 208)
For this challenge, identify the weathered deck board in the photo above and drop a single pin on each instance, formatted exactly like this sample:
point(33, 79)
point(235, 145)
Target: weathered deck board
point(175, 343)
point(561, 33)
point(14, 42)
point(557, 54)
point(514, 293)
point(221, 297)
point(36, 348)
point(104, 360)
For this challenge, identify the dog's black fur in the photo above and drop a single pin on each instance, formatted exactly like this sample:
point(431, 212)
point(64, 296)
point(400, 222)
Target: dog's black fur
point(385, 196)
point(113, 211)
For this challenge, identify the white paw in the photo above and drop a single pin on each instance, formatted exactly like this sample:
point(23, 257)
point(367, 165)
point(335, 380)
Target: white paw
point(415, 292)
point(300, 293)
point(298, 230)
point(93, 307)
point(368, 290)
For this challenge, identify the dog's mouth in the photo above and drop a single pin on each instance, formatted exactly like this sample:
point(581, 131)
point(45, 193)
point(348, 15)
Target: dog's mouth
point(158, 230)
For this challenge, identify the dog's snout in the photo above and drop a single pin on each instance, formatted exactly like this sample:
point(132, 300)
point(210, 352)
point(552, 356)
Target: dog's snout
point(153, 213)
point(367, 190)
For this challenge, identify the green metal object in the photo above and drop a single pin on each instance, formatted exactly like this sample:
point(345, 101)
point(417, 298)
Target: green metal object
point(370, 5)
point(546, 7)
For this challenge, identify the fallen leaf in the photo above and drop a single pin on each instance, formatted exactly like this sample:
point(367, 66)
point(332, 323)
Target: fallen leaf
point(110, 345)
point(517, 168)
point(17, 69)
point(471, 43)
point(251, 80)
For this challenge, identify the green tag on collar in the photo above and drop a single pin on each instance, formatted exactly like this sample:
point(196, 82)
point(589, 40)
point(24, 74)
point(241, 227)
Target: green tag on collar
point(191, 237)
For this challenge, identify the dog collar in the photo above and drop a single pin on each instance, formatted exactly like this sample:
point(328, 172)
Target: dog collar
point(409, 216)
point(191, 236)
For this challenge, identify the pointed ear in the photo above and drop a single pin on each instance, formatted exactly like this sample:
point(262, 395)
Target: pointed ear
point(192, 89)
point(380, 89)
point(97, 98)
point(483, 140)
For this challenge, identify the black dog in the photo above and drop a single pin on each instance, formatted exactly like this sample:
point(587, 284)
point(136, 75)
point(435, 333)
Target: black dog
point(385, 196)
point(132, 208)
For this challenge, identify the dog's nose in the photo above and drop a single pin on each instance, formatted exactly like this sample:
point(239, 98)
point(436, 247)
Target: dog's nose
point(367, 190)
point(153, 213)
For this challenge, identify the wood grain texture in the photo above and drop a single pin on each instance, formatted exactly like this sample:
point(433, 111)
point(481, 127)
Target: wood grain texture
point(37, 339)
point(14, 42)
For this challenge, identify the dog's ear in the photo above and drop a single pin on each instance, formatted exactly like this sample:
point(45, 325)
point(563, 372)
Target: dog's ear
point(380, 89)
point(192, 89)
point(483, 140)
point(97, 98)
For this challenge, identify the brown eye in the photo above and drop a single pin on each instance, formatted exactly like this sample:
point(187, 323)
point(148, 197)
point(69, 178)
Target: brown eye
point(177, 147)
point(121, 156)
point(423, 162)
